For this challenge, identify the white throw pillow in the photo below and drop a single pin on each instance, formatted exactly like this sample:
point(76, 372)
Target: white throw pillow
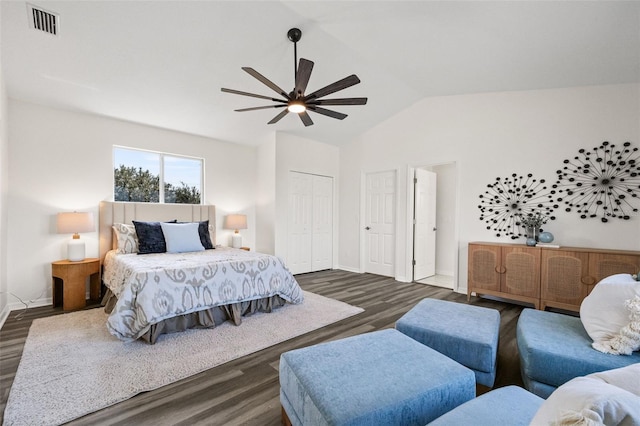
point(609, 398)
point(603, 312)
point(181, 237)
point(126, 238)
point(628, 338)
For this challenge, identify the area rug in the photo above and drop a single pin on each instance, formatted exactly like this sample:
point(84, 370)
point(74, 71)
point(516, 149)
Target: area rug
point(71, 366)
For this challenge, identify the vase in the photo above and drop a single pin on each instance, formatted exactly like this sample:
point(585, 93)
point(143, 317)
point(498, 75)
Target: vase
point(532, 232)
point(545, 237)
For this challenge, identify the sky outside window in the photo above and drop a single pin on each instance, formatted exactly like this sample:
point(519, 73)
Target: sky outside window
point(178, 170)
point(138, 159)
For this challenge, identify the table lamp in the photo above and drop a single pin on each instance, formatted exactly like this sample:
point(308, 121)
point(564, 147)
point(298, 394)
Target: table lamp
point(235, 222)
point(74, 223)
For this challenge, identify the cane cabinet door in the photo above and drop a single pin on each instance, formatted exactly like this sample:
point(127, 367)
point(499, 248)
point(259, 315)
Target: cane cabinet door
point(521, 271)
point(484, 267)
point(565, 279)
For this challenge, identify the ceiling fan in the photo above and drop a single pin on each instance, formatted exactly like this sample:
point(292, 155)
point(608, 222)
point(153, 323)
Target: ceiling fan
point(296, 101)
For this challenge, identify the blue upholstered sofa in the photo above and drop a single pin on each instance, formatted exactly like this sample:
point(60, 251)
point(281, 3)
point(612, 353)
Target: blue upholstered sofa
point(507, 406)
point(554, 348)
point(610, 397)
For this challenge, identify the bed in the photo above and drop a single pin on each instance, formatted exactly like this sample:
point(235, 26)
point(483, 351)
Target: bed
point(153, 294)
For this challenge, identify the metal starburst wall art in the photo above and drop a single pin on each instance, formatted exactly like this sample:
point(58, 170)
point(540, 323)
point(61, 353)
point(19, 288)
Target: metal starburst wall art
point(601, 183)
point(508, 200)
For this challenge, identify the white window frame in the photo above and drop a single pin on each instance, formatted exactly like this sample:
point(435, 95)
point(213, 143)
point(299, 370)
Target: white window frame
point(162, 156)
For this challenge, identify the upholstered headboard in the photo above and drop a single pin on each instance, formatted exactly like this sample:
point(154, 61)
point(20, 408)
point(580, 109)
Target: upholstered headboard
point(120, 212)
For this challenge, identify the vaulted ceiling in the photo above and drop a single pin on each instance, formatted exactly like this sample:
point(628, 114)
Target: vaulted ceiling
point(162, 63)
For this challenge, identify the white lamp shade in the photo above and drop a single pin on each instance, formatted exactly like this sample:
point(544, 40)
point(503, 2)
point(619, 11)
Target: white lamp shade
point(236, 221)
point(75, 222)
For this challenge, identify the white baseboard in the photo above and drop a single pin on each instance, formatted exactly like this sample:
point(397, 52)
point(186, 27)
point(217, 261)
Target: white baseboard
point(348, 269)
point(45, 301)
point(16, 306)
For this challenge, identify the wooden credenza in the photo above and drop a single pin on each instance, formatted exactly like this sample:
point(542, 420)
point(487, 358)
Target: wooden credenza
point(545, 277)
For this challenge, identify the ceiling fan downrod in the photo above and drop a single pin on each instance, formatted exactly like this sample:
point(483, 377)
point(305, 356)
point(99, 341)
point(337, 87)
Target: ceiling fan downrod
point(295, 34)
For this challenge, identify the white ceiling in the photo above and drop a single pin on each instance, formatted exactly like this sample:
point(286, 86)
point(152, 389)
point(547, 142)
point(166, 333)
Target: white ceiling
point(163, 63)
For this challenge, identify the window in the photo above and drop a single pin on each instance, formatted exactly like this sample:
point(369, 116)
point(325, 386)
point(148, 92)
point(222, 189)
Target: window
point(156, 177)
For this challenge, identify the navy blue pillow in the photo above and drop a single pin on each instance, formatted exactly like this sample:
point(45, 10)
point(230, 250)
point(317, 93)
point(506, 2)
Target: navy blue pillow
point(150, 237)
point(205, 238)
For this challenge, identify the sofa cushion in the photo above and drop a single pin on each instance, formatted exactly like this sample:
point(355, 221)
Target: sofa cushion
point(555, 348)
point(610, 397)
point(507, 406)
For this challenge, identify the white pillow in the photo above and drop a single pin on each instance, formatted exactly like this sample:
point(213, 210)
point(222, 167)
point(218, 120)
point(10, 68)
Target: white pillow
point(126, 238)
point(609, 398)
point(603, 311)
point(181, 237)
point(628, 339)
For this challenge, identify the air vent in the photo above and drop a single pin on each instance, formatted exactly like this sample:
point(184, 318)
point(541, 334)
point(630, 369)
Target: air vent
point(43, 20)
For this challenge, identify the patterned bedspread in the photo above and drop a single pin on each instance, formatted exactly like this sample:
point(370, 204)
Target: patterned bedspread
point(153, 287)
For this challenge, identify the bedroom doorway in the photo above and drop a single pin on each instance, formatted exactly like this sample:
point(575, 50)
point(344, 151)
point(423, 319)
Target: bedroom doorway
point(433, 217)
point(424, 224)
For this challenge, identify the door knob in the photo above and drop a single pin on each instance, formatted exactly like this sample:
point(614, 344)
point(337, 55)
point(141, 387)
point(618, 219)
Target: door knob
point(435, 229)
point(367, 228)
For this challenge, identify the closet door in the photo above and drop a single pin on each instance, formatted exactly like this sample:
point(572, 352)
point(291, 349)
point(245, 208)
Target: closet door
point(310, 223)
point(299, 222)
point(322, 219)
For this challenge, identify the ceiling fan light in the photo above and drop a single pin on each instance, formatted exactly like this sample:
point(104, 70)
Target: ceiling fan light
point(296, 107)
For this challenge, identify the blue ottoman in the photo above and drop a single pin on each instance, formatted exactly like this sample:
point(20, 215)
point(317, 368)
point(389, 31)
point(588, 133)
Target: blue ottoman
point(377, 378)
point(508, 406)
point(465, 333)
point(555, 348)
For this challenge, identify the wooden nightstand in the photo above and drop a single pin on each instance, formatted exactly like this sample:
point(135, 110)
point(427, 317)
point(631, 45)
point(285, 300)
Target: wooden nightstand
point(245, 248)
point(69, 279)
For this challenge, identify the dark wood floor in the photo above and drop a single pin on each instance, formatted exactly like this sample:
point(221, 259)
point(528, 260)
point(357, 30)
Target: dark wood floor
point(245, 391)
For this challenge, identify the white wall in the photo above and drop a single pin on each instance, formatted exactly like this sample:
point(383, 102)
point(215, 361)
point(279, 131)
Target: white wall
point(62, 161)
point(298, 154)
point(4, 181)
point(266, 197)
point(491, 135)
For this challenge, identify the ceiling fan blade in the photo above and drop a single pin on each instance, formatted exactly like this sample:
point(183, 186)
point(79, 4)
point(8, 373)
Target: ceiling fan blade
point(262, 107)
point(333, 87)
point(253, 95)
point(278, 117)
point(302, 76)
point(305, 119)
point(345, 101)
point(328, 112)
point(266, 81)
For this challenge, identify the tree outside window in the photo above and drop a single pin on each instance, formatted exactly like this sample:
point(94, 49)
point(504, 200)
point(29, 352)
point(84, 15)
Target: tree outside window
point(138, 175)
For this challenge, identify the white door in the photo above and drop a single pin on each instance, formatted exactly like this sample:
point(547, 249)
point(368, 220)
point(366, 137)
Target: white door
point(380, 223)
point(424, 231)
point(322, 224)
point(299, 226)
